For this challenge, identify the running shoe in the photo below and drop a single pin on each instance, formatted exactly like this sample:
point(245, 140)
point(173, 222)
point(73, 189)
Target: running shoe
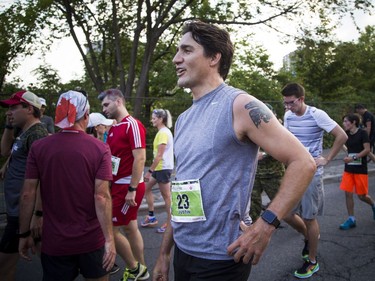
point(162, 228)
point(149, 221)
point(114, 269)
point(347, 224)
point(140, 274)
point(305, 251)
point(307, 270)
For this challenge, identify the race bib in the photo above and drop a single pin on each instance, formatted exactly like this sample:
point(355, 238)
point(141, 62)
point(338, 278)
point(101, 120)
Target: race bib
point(357, 162)
point(187, 205)
point(115, 164)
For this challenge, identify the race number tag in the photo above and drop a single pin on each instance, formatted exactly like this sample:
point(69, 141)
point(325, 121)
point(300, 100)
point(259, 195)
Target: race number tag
point(187, 205)
point(357, 162)
point(115, 164)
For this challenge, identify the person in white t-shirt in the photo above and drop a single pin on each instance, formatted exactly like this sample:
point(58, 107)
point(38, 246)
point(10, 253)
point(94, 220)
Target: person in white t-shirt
point(308, 124)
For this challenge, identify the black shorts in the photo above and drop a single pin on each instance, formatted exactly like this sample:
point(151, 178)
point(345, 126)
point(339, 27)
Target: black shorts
point(189, 268)
point(62, 268)
point(163, 176)
point(9, 241)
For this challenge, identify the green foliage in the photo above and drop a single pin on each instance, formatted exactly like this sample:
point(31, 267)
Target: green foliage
point(331, 72)
point(20, 29)
point(125, 39)
point(131, 43)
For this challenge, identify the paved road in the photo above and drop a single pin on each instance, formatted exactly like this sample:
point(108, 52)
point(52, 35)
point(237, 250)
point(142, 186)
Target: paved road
point(343, 255)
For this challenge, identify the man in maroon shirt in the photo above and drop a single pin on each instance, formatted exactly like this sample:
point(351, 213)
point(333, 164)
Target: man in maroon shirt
point(73, 171)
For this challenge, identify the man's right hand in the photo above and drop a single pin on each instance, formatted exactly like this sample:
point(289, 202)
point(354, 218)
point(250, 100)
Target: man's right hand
point(109, 255)
point(161, 269)
point(23, 247)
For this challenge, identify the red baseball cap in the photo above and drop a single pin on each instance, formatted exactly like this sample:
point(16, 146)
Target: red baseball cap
point(22, 97)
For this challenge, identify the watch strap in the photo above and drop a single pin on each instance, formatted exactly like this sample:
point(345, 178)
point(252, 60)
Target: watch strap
point(24, 234)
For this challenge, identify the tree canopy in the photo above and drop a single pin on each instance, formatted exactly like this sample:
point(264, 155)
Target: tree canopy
point(129, 44)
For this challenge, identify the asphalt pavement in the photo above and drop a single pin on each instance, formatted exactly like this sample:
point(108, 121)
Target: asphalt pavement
point(342, 255)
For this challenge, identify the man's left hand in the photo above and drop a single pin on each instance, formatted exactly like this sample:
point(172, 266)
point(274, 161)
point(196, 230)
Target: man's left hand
point(320, 161)
point(251, 244)
point(130, 198)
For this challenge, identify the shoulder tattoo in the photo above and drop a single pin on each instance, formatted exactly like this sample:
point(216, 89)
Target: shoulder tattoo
point(258, 113)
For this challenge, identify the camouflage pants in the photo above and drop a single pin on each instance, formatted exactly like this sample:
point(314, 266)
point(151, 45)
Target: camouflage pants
point(270, 186)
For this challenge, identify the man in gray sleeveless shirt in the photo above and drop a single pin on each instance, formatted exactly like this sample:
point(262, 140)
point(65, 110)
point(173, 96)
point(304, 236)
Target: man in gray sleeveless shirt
point(216, 145)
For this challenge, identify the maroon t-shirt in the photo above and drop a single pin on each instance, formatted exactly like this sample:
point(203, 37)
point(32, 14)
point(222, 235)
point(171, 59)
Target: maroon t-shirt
point(67, 165)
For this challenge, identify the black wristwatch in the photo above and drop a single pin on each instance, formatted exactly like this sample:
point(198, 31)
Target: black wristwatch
point(269, 217)
point(354, 157)
point(130, 188)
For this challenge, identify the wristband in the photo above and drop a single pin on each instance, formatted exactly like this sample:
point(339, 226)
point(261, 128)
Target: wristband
point(130, 188)
point(9, 127)
point(38, 213)
point(24, 235)
point(150, 171)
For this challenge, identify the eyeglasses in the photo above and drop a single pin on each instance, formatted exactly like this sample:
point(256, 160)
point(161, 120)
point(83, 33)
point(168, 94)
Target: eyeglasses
point(290, 103)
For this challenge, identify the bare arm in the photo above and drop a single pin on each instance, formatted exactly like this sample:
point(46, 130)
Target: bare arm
point(158, 157)
point(27, 203)
point(340, 139)
point(36, 223)
point(254, 121)
point(139, 155)
point(103, 207)
point(161, 269)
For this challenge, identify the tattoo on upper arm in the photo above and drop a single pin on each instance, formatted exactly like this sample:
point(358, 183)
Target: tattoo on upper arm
point(257, 113)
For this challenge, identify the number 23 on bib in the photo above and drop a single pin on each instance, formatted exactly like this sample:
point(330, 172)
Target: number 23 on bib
point(187, 205)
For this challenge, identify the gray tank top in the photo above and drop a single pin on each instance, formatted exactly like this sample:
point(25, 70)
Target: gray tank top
point(206, 148)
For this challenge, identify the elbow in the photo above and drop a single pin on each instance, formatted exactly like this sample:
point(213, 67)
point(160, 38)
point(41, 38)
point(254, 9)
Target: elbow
point(101, 198)
point(310, 166)
point(27, 195)
point(344, 138)
point(141, 160)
